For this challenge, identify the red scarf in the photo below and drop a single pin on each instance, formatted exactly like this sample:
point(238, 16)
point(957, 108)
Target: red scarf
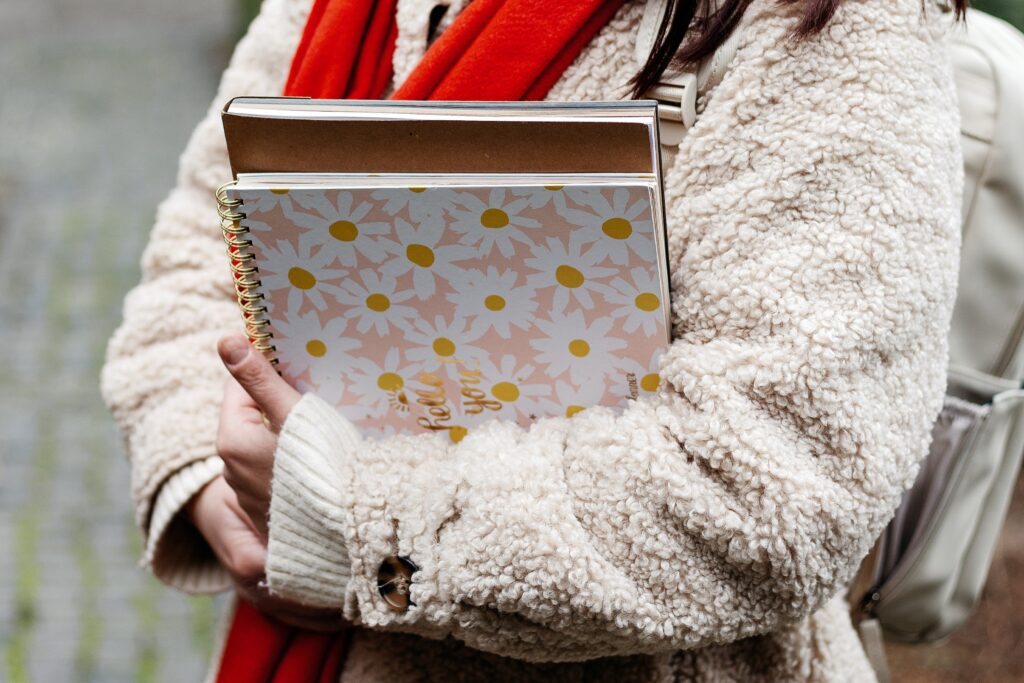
point(494, 50)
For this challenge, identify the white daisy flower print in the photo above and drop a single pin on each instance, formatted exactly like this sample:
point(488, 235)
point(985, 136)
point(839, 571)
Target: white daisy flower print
point(507, 384)
point(339, 226)
point(422, 203)
point(492, 223)
point(573, 398)
point(382, 388)
point(323, 350)
point(418, 249)
point(442, 343)
point(646, 376)
point(537, 197)
point(304, 275)
point(574, 272)
point(265, 201)
point(491, 300)
point(253, 225)
point(637, 300)
point(570, 345)
point(614, 227)
point(375, 301)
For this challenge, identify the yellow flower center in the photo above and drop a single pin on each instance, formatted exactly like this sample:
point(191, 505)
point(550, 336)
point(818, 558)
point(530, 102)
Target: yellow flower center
point(420, 254)
point(443, 346)
point(505, 391)
point(650, 382)
point(301, 278)
point(494, 218)
point(344, 231)
point(568, 276)
point(617, 228)
point(647, 301)
point(389, 381)
point(316, 348)
point(494, 302)
point(579, 348)
point(378, 302)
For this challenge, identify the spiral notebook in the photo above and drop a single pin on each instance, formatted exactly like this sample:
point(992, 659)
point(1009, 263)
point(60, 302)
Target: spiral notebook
point(458, 291)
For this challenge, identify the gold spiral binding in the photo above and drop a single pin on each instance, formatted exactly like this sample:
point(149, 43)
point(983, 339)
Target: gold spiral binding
point(244, 272)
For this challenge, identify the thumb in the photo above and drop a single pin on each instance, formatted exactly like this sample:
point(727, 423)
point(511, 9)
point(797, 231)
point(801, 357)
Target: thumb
point(257, 376)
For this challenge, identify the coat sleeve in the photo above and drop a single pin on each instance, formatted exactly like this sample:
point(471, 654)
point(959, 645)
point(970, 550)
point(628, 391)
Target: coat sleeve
point(814, 238)
point(162, 378)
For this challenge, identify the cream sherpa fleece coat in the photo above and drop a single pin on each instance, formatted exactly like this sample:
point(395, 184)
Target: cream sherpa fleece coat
point(703, 535)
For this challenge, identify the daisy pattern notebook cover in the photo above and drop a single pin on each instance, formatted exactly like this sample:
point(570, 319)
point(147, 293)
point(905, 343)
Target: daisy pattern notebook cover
point(444, 302)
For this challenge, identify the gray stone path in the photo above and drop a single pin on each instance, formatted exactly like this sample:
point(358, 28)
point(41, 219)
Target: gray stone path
point(96, 101)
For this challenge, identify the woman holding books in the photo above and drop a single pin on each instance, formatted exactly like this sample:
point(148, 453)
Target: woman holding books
point(704, 533)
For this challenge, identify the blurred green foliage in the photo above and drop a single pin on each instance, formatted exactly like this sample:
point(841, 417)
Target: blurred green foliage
point(247, 11)
point(1011, 10)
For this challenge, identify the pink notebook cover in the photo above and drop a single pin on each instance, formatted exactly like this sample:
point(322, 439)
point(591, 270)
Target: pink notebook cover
point(437, 308)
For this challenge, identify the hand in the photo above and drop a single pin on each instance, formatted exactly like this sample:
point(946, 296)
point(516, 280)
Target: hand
point(256, 403)
point(233, 537)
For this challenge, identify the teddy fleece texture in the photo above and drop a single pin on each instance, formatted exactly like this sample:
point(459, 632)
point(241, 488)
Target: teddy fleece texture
point(705, 534)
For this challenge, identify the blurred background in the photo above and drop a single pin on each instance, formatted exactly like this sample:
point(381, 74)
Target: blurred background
point(96, 102)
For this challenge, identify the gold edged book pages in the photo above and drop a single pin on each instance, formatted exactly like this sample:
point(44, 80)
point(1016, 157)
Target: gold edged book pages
point(488, 285)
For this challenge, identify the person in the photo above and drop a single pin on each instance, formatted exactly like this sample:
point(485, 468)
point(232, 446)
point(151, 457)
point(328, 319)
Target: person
point(702, 534)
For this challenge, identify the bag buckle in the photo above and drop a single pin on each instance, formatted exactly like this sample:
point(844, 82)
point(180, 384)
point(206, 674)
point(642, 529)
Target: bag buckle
point(677, 106)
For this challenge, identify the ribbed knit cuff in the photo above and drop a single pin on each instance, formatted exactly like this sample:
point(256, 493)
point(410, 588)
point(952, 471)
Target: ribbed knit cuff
point(307, 560)
point(175, 551)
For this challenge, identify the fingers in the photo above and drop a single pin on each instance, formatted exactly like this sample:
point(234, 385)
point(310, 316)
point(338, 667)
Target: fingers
point(254, 509)
point(246, 445)
point(229, 531)
point(257, 377)
point(246, 560)
point(243, 554)
point(238, 405)
point(241, 429)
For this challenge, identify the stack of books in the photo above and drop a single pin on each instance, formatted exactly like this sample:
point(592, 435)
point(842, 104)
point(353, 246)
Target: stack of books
point(430, 266)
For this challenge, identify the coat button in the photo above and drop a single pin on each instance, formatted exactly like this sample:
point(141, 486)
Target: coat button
point(394, 578)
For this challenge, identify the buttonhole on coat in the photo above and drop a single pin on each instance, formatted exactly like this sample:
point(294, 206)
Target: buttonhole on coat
point(671, 437)
point(450, 519)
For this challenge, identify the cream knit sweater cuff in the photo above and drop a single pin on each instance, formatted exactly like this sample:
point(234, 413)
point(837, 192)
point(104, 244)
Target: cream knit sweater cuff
point(175, 550)
point(307, 560)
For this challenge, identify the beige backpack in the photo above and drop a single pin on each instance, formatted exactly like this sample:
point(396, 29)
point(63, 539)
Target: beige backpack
point(931, 563)
point(928, 569)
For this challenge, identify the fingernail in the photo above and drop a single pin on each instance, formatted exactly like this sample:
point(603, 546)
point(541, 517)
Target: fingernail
point(235, 349)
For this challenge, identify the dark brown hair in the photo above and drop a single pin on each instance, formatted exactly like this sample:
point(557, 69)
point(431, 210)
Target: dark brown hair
point(705, 24)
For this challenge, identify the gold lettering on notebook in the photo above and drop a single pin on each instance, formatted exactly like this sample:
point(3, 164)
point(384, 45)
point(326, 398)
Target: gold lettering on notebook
point(438, 412)
point(435, 402)
point(475, 400)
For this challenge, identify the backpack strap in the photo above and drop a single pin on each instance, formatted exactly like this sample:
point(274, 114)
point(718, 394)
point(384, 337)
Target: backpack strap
point(871, 638)
point(676, 91)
